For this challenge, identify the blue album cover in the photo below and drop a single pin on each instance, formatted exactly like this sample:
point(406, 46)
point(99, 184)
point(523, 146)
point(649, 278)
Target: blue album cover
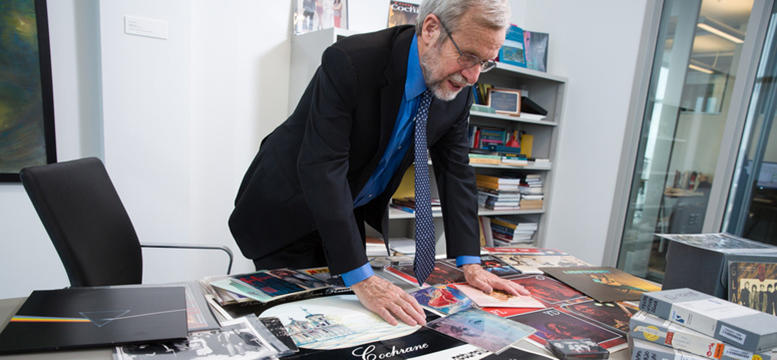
point(513, 51)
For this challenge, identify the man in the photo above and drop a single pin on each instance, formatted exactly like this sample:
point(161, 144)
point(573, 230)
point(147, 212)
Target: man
point(771, 301)
point(744, 295)
point(336, 161)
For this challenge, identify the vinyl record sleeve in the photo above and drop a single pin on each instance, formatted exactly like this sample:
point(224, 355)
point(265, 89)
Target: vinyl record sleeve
point(604, 284)
point(91, 317)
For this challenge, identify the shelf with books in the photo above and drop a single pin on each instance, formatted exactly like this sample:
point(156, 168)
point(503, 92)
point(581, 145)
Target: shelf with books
point(512, 167)
point(512, 118)
point(397, 214)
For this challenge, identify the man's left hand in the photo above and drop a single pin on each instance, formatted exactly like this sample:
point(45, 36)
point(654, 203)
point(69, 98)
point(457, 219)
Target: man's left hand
point(480, 278)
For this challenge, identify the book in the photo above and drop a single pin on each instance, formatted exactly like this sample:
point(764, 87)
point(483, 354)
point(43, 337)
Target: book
point(498, 298)
point(602, 283)
point(512, 51)
point(482, 329)
point(734, 324)
point(569, 349)
point(654, 329)
point(402, 13)
point(644, 350)
point(90, 317)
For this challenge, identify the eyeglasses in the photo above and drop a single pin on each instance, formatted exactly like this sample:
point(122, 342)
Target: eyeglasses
point(469, 60)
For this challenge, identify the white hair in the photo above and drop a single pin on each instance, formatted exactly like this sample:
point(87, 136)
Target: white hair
point(493, 14)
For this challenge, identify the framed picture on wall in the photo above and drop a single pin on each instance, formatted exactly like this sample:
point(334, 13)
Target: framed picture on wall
point(26, 100)
point(312, 15)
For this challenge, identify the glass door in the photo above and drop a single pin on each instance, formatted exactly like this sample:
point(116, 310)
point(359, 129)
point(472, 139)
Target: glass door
point(751, 211)
point(694, 71)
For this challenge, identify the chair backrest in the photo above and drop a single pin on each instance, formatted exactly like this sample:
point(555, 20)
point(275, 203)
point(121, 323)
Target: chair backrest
point(87, 222)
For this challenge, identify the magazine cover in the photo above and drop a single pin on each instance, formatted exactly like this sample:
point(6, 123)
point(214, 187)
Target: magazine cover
point(402, 13)
point(754, 284)
point(717, 242)
point(311, 15)
point(552, 324)
point(615, 315)
point(498, 298)
point(604, 284)
point(530, 264)
point(442, 299)
point(547, 290)
point(479, 328)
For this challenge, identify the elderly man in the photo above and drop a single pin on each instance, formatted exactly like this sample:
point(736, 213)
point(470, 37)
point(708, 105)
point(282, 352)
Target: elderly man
point(375, 105)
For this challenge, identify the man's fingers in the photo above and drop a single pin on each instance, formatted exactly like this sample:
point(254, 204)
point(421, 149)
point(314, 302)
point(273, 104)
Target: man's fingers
point(386, 315)
point(412, 301)
point(399, 312)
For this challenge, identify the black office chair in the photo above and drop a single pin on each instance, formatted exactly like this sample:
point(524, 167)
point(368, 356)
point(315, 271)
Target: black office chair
point(87, 223)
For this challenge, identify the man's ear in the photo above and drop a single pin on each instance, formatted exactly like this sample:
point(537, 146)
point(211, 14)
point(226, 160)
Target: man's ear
point(430, 29)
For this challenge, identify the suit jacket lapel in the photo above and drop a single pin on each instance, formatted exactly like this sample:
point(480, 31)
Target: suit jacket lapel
point(391, 93)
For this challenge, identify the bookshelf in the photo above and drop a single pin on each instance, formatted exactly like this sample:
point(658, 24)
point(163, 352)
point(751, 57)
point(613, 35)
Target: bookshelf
point(545, 89)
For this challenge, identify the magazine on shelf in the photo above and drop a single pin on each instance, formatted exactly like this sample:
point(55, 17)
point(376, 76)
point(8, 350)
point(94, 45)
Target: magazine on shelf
point(402, 13)
point(312, 15)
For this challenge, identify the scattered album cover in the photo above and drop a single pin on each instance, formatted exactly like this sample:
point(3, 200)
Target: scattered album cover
point(523, 250)
point(496, 266)
point(530, 264)
point(718, 241)
point(515, 354)
point(334, 322)
point(613, 314)
point(279, 331)
point(553, 324)
point(482, 329)
point(569, 349)
point(499, 298)
point(604, 284)
point(548, 290)
point(754, 284)
point(402, 13)
point(237, 339)
point(443, 273)
point(507, 312)
point(442, 299)
point(269, 284)
point(298, 278)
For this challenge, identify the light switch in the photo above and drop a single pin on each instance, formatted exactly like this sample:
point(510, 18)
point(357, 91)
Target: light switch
point(154, 28)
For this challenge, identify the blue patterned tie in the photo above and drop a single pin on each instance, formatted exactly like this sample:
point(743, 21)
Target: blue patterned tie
point(424, 222)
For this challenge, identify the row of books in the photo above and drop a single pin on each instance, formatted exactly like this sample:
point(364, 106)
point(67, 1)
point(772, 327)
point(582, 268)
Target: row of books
point(687, 324)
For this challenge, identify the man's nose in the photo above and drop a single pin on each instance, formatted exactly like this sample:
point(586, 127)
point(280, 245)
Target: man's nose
point(471, 73)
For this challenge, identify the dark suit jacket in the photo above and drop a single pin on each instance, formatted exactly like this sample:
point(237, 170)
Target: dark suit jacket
point(309, 169)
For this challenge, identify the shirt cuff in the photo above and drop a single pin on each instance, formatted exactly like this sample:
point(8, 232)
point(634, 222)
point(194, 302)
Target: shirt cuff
point(359, 274)
point(464, 260)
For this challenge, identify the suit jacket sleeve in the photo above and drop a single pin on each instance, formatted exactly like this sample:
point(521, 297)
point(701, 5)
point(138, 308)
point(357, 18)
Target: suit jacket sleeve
point(322, 164)
point(456, 186)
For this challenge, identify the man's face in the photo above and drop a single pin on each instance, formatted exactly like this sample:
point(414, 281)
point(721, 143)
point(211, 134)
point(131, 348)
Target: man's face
point(442, 72)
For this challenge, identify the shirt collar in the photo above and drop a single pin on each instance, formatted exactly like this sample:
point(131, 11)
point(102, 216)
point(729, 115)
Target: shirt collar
point(414, 80)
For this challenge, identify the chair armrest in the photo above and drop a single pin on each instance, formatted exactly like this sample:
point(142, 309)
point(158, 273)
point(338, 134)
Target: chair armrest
point(195, 247)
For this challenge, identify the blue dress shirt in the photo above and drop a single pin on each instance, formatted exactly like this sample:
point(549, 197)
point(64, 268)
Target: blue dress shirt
point(401, 139)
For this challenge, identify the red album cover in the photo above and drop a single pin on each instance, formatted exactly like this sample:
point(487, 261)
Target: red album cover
point(442, 274)
point(552, 324)
point(613, 314)
point(547, 290)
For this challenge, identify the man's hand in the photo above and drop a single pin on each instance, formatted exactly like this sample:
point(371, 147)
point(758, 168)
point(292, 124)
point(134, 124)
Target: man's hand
point(389, 301)
point(480, 278)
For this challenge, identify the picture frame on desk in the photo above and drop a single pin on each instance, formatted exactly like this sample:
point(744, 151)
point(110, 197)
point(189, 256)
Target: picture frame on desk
point(27, 138)
point(505, 101)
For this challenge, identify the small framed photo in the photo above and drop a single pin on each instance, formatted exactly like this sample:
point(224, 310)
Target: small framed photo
point(505, 101)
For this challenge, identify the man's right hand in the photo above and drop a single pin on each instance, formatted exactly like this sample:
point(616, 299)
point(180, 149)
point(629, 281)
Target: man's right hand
point(389, 301)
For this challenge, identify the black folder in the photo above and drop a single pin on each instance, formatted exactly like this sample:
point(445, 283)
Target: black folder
point(92, 317)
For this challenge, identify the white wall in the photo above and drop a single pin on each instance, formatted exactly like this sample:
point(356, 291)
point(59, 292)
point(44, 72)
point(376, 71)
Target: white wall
point(177, 121)
point(593, 44)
